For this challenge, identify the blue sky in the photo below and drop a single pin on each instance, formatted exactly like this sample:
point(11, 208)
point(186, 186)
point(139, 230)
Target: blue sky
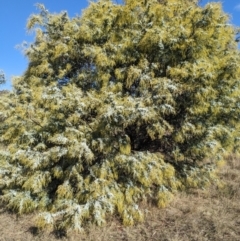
point(13, 19)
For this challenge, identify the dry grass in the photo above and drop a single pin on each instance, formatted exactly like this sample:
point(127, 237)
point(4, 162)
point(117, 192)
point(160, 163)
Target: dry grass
point(212, 214)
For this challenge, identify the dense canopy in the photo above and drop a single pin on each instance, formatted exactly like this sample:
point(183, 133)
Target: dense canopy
point(122, 104)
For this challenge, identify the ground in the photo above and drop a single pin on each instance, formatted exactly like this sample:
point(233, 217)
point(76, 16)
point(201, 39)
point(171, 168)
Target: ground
point(199, 215)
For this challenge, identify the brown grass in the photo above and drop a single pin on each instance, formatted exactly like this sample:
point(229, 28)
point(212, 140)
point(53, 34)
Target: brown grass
point(205, 215)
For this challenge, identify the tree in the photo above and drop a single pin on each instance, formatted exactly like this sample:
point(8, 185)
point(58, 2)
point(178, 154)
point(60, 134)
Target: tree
point(2, 77)
point(126, 103)
point(2, 92)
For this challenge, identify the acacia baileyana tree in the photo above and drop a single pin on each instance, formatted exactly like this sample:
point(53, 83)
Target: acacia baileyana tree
point(2, 77)
point(123, 104)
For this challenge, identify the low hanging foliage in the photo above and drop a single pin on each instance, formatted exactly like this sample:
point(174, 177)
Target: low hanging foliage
point(122, 104)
